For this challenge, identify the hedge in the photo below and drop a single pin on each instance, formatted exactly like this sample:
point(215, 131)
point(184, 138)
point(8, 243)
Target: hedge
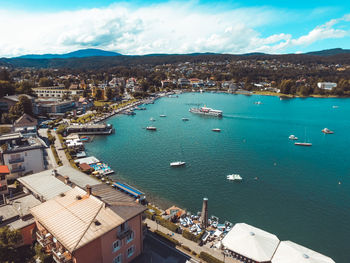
point(58, 160)
point(156, 210)
point(209, 258)
point(188, 235)
point(165, 236)
point(166, 223)
point(186, 248)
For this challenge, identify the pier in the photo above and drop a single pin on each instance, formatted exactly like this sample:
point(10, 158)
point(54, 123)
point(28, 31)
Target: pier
point(90, 129)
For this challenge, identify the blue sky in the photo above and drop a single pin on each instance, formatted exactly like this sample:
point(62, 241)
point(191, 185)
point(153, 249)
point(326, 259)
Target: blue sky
point(143, 27)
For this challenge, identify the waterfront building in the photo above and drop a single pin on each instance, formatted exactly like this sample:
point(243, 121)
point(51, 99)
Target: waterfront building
point(289, 251)
point(4, 172)
point(53, 106)
point(50, 183)
point(22, 155)
point(25, 124)
point(183, 82)
point(15, 214)
point(78, 226)
point(326, 85)
point(56, 92)
point(250, 244)
point(85, 129)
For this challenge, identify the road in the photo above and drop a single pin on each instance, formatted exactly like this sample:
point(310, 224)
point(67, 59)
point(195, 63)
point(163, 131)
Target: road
point(49, 159)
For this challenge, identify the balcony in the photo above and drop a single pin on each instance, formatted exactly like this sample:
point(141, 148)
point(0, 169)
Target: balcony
point(18, 169)
point(59, 257)
point(17, 160)
point(124, 233)
point(43, 240)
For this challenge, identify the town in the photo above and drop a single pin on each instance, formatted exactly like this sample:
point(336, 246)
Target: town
point(59, 204)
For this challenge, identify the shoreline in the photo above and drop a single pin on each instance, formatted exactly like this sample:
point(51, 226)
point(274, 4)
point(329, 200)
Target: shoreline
point(269, 93)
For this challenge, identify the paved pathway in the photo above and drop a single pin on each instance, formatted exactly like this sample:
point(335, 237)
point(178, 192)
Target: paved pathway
point(50, 161)
point(192, 245)
point(59, 149)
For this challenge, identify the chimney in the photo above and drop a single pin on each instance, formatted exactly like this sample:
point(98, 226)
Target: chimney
point(54, 172)
point(204, 215)
point(66, 180)
point(88, 190)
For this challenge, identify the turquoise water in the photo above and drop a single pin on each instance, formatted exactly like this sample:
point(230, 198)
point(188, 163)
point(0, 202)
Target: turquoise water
point(297, 195)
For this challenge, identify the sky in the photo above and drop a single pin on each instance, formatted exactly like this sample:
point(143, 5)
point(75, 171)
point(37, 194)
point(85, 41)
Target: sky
point(173, 27)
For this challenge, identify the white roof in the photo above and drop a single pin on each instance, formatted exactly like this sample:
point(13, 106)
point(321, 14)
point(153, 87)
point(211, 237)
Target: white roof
point(88, 160)
point(290, 252)
point(251, 242)
point(72, 221)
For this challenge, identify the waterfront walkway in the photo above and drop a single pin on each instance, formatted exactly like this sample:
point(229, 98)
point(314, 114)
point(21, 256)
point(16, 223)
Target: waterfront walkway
point(192, 245)
point(60, 151)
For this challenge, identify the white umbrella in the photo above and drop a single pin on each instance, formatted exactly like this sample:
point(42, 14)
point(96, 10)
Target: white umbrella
point(290, 252)
point(251, 242)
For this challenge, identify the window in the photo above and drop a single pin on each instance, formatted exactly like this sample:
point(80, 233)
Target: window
point(3, 188)
point(116, 245)
point(130, 237)
point(118, 259)
point(2, 177)
point(131, 251)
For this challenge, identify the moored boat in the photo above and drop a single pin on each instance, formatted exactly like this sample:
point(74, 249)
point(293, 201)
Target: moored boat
point(163, 115)
point(327, 131)
point(216, 130)
point(151, 119)
point(185, 119)
point(175, 164)
point(303, 143)
point(234, 177)
point(292, 137)
point(151, 128)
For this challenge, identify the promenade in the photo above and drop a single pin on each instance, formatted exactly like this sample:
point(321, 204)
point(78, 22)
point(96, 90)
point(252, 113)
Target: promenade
point(192, 245)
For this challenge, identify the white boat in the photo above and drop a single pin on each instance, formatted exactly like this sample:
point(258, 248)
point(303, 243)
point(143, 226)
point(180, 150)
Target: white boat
point(234, 177)
point(179, 163)
point(327, 131)
point(216, 130)
point(303, 143)
point(292, 137)
point(185, 119)
point(151, 128)
point(151, 119)
point(335, 107)
point(162, 115)
point(258, 102)
point(206, 111)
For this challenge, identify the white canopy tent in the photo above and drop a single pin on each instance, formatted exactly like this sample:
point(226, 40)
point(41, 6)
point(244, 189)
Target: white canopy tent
point(290, 252)
point(251, 242)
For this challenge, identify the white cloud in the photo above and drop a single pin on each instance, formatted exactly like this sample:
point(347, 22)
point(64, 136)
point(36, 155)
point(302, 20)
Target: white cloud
point(163, 28)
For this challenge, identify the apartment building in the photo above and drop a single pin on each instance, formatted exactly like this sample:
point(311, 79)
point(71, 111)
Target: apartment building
point(98, 225)
point(56, 92)
point(4, 172)
point(21, 155)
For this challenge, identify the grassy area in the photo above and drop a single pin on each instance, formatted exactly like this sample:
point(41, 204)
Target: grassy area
point(101, 103)
point(121, 105)
point(271, 93)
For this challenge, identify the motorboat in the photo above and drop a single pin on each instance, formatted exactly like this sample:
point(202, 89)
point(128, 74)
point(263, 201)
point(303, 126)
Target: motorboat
point(292, 137)
point(162, 115)
point(303, 143)
point(206, 111)
point(258, 102)
point(151, 119)
point(151, 128)
point(216, 130)
point(335, 107)
point(175, 164)
point(234, 177)
point(327, 131)
point(185, 119)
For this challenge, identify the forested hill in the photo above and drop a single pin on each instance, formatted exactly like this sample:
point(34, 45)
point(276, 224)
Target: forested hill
point(101, 62)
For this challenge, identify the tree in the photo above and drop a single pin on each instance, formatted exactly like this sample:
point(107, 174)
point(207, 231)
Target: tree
point(4, 75)
point(45, 82)
point(25, 88)
point(25, 105)
point(6, 88)
point(98, 95)
point(9, 240)
point(109, 93)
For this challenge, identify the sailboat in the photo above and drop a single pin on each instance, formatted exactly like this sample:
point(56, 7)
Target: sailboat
point(303, 143)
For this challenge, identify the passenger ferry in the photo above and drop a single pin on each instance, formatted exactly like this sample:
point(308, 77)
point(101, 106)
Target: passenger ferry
point(206, 111)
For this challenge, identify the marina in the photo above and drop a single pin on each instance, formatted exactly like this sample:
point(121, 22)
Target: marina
point(255, 145)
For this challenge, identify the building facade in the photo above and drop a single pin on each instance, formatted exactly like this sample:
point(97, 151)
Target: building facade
point(4, 172)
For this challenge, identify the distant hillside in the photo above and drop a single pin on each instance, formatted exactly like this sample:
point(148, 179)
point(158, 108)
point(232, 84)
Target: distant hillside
point(329, 52)
point(83, 53)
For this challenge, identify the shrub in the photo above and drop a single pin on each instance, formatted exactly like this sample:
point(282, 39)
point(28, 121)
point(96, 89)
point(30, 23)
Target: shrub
point(209, 258)
point(156, 210)
point(168, 238)
point(188, 235)
point(186, 248)
point(148, 214)
point(166, 223)
point(194, 253)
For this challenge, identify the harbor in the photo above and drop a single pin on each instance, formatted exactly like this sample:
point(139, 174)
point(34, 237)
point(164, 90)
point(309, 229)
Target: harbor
point(251, 143)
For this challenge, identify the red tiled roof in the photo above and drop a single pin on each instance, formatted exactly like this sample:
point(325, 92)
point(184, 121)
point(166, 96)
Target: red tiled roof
point(4, 169)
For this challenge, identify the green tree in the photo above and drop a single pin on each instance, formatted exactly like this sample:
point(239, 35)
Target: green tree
point(45, 82)
point(25, 87)
point(9, 240)
point(6, 88)
point(98, 95)
point(4, 75)
point(109, 93)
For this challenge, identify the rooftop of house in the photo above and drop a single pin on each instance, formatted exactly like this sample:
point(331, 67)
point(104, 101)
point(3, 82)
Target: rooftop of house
point(16, 143)
point(15, 98)
point(16, 213)
point(76, 218)
point(4, 169)
point(26, 120)
point(48, 184)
